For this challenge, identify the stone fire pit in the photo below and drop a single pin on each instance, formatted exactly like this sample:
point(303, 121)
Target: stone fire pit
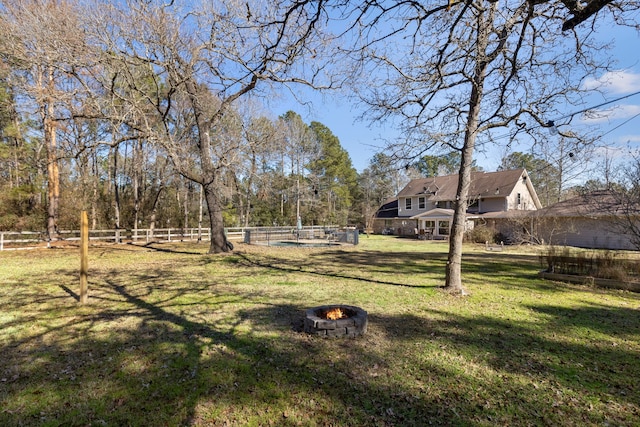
point(336, 321)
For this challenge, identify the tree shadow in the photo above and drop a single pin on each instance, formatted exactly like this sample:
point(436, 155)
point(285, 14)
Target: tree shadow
point(129, 360)
point(313, 267)
point(73, 295)
point(533, 348)
point(157, 246)
point(154, 348)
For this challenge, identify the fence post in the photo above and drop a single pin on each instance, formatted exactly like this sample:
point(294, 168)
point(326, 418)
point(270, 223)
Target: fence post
point(84, 255)
point(1, 241)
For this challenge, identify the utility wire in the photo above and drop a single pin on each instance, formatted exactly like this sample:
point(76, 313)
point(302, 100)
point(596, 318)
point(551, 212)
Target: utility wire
point(621, 124)
point(551, 123)
point(598, 106)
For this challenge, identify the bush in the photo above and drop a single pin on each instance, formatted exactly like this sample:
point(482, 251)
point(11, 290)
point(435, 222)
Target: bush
point(481, 234)
point(8, 222)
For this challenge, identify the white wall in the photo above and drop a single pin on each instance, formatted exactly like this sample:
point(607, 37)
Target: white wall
point(526, 201)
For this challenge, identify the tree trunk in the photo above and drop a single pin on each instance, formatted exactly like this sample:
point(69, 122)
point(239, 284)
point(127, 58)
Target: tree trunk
point(154, 211)
point(219, 241)
point(185, 206)
point(53, 179)
point(116, 193)
point(137, 184)
point(453, 281)
point(247, 196)
point(200, 210)
point(53, 174)
point(94, 184)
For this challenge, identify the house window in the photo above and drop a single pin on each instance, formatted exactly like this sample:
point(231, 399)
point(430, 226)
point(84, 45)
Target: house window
point(422, 202)
point(443, 228)
point(519, 199)
point(407, 204)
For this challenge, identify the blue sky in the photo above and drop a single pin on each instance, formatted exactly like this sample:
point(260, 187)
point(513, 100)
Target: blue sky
point(362, 140)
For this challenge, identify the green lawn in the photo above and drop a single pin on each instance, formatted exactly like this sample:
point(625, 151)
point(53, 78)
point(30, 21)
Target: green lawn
point(174, 336)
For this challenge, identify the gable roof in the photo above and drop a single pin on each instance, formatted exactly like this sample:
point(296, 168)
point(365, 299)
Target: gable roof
point(483, 184)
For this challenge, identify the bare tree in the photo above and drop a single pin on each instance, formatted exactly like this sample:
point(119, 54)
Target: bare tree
point(44, 44)
point(453, 73)
point(299, 147)
point(202, 58)
point(260, 135)
point(618, 203)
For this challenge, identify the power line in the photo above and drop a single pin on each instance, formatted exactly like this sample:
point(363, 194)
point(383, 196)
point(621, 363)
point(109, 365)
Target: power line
point(551, 123)
point(620, 125)
point(597, 106)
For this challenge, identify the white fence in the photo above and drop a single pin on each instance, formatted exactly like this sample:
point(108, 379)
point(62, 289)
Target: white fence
point(16, 240)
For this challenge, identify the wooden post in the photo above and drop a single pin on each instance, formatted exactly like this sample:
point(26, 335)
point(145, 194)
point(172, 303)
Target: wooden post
point(84, 256)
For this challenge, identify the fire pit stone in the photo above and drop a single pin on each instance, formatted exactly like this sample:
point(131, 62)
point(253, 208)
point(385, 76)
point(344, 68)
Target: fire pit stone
point(349, 321)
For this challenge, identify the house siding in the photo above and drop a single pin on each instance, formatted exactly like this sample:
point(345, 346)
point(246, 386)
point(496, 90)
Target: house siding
point(492, 205)
point(400, 226)
point(583, 233)
point(562, 231)
point(521, 191)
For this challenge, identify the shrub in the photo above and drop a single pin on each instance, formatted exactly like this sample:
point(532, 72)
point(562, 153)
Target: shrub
point(481, 234)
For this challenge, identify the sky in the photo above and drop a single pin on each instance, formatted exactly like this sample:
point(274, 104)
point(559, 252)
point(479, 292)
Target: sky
point(618, 121)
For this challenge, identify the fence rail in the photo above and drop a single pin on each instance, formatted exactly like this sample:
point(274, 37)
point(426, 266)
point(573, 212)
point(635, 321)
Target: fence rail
point(310, 235)
point(17, 240)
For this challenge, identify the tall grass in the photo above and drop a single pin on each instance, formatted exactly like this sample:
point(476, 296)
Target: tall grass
point(602, 264)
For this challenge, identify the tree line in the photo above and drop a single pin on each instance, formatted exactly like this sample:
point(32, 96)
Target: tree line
point(132, 112)
point(284, 169)
point(91, 90)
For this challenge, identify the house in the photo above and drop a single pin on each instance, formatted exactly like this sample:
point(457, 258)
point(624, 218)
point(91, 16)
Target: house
point(424, 207)
point(597, 220)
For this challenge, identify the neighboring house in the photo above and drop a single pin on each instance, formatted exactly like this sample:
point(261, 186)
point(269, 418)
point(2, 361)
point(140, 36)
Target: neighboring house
point(598, 220)
point(425, 206)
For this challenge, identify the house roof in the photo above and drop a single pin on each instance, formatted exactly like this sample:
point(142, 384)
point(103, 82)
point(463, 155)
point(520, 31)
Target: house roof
point(595, 204)
point(484, 184)
point(511, 214)
point(437, 213)
point(388, 210)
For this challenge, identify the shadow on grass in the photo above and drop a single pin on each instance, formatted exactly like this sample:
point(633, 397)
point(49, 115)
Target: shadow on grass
point(73, 294)
point(318, 266)
point(157, 246)
point(595, 369)
point(143, 363)
point(152, 349)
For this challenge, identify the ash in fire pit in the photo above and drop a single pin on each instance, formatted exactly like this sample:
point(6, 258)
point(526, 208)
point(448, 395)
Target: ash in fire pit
point(336, 321)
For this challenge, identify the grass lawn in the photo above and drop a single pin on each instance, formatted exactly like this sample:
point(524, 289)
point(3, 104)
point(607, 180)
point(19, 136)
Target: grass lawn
point(172, 336)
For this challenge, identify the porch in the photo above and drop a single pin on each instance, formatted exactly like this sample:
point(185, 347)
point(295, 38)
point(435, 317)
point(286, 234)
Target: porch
point(434, 224)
